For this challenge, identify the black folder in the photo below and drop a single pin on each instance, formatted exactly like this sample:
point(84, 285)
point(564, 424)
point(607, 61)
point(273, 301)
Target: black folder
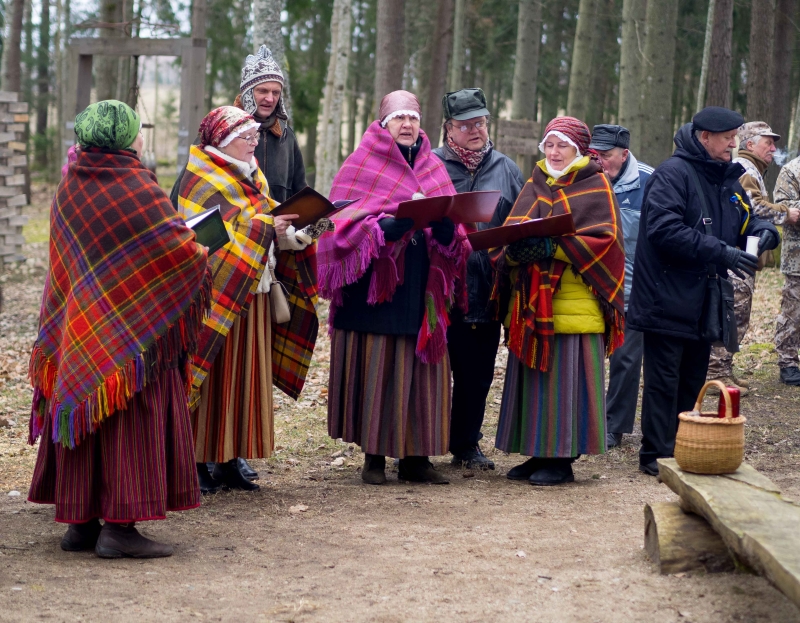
point(210, 229)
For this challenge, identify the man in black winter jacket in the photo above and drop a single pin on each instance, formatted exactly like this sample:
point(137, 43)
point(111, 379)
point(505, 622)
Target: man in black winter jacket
point(277, 153)
point(671, 268)
point(473, 338)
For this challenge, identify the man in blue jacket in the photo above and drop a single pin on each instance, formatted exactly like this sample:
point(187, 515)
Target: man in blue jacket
point(628, 178)
point(673, 257)
point(473, 338)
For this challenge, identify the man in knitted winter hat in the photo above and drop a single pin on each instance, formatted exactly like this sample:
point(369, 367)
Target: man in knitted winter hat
point(277, 153)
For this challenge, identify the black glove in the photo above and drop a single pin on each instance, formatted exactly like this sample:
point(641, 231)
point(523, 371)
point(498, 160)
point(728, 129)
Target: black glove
point(443, 231)
point(739, 262)
point(531, 249)
point(767, 240)
point(395, 228)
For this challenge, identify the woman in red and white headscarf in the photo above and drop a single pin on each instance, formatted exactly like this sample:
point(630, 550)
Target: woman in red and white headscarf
point(390, 290)
point(562, 300)
point(235, 368)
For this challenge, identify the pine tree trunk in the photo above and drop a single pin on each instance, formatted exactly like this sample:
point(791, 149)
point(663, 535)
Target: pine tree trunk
point(341, 21)
point(526, 63)
point(389, 48)
point(630, 68)
point(12, 55)
point(457, 64)
point(437, 78)
point(781, 80)
point(718, 87)
point(107, 67)
point(658, 74)
point(267, 31)
point(604, 55)
point(759, 89)
point(28, 59)
point(581, 69)
point(701, 89)
point(43, 83)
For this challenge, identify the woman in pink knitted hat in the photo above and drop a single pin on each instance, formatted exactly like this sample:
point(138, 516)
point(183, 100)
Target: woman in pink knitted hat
point(390, 289)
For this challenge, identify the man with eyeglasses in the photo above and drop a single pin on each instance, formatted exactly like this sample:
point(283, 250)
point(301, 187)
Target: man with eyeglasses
point(473, 337)
point(277, 153)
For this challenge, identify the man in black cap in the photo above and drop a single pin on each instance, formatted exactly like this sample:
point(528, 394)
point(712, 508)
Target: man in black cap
point(628, 178)
point(678, 247)
point(473, 338)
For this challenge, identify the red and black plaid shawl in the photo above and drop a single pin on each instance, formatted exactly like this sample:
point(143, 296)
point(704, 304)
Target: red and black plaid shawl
point(596, 251)
point(124, 299)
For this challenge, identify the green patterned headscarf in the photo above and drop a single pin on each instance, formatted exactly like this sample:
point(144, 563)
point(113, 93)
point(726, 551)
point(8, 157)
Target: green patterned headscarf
point(110, 124)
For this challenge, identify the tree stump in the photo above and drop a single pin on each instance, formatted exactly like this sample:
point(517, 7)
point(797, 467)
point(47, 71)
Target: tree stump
point(680, 542)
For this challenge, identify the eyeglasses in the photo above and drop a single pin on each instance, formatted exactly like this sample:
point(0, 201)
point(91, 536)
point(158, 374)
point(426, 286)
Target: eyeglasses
point(251, 140)
point(478, 125)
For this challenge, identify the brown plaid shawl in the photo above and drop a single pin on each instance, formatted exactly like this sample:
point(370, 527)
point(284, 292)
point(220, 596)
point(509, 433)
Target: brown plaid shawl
point(124, 298)
point(596, 251)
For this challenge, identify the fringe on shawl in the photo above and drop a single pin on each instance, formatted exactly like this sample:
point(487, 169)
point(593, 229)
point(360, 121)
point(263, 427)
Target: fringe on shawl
point(70, 426)
point(331, 278)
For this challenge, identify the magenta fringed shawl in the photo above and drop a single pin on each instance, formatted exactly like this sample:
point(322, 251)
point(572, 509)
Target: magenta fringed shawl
point(378, 174)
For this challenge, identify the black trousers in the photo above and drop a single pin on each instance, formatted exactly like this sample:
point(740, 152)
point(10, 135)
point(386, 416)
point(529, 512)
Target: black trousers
point(473, 349)
point(674, 372)
point(624, 372)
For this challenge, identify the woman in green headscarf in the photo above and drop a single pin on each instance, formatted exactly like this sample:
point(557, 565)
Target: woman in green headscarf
point(123, 306)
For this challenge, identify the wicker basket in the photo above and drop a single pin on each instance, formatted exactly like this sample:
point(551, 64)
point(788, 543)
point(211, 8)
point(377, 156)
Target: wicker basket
point(707, 443)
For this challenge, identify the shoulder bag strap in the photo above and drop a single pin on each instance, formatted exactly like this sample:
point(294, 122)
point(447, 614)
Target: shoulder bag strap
point(712, 269)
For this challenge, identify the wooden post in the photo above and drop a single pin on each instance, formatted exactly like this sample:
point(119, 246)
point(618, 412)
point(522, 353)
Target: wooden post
point(193, 81)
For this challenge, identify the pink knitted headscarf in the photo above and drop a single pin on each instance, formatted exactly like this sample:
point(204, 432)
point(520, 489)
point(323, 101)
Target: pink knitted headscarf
point(397, 104)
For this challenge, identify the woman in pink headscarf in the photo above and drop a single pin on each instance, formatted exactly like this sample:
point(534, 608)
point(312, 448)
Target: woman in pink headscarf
point(391, 289)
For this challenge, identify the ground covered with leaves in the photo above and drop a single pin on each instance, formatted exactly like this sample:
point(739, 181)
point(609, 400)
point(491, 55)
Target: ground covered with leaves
point(315, 544)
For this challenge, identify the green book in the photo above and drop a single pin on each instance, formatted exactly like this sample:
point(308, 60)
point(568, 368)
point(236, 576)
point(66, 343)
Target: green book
point(210, 229)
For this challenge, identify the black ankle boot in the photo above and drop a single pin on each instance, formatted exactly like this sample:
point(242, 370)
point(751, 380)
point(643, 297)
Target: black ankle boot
point(207, 482)
point(81, 536)
point(524, 471)
point(374, 470)
point(420, 469)
point(553, 472)
point(247, 471)
point(232, 478)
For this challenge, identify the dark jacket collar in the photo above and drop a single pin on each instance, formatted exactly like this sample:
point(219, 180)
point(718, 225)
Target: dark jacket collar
point(689, 148)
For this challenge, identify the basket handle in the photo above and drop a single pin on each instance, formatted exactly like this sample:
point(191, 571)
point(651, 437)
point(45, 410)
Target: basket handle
point(723, 390)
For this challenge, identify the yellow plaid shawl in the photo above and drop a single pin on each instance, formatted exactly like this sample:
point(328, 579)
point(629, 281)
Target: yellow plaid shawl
point(210, 181)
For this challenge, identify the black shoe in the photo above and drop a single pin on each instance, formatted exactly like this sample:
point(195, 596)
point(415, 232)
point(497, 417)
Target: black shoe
point(207, 483)
point(613, 440)
point(230, 476)
point(246, 471)
point(420, 469)
point(81, 536)
point(790, 375)
point(553, 472)
point(374, 470)
point(472, 459)
point(651, 469)
point(524, 471)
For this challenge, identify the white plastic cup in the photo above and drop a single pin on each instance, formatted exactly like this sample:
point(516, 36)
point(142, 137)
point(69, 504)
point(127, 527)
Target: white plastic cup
point(752, 245)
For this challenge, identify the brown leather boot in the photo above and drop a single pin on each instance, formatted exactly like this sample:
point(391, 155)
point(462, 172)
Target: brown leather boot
point(420, 469)
point(81, 536)
point(374, 470)
point(124, 541)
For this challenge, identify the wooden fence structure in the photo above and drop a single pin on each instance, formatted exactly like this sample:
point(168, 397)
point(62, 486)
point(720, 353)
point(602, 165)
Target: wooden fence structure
point(13, 174)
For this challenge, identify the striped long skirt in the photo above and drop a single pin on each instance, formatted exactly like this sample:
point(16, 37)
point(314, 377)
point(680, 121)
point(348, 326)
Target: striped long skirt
point(382, 397)
point(137, 466)
point(234, 417)
point(559, 413)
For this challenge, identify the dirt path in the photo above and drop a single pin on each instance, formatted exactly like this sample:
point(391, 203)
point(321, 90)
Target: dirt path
point(483, 548)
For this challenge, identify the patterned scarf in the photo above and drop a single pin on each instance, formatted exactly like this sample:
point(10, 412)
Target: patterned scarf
point(124, 298)
point(596, 252)
point(245, 204)
point(110, 124)
point(470, 158)
point(378, 174)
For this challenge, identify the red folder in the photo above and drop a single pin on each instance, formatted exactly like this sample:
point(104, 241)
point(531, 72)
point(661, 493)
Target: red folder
point(475, 207)
point(550, 227)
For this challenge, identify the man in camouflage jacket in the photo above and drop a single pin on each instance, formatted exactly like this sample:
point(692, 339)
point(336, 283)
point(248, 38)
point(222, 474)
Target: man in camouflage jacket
point(756, 149)
point(787, 330)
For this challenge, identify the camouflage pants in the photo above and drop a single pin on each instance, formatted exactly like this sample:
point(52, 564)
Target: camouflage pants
point(721, 362)
point(787, 327)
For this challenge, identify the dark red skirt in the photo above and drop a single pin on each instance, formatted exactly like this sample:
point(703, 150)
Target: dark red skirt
point(137, 466)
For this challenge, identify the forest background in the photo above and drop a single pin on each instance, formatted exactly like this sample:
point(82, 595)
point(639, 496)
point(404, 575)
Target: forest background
point(647, 65)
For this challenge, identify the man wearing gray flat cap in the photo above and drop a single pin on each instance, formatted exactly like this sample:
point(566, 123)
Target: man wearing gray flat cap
point(694, 226)
point(473, 337)
point(628, 177)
